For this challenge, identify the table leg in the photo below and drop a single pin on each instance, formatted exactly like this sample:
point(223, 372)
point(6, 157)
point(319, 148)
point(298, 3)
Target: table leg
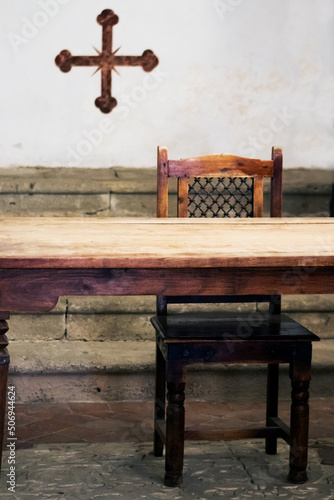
point(4, 363)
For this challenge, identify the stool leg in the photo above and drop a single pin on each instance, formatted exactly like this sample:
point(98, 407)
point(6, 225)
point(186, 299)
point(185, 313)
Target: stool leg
point(4, 363)
point(300, 373)
point(272, 405)
point(174, 434)
point(160, 400)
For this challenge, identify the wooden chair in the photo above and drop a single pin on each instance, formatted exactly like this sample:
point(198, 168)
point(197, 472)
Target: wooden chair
point(184, 339)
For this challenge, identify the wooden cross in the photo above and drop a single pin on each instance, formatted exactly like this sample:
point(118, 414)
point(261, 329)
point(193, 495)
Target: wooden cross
point(106, 61)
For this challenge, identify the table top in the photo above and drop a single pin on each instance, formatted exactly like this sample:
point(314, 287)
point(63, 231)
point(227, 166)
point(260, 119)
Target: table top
point(165, 243)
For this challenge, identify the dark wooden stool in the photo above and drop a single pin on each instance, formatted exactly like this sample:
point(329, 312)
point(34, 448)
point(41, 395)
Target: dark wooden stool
point(184, 339)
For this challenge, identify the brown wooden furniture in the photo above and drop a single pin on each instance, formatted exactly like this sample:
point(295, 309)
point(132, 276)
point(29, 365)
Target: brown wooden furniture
point(186, 339)
point(42, 259)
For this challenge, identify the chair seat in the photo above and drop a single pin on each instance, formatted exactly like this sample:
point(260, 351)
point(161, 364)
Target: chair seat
point(187, 327)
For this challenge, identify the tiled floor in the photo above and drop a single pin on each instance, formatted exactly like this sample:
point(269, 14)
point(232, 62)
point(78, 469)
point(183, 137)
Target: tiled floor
point(133, 421)
point(101, 451)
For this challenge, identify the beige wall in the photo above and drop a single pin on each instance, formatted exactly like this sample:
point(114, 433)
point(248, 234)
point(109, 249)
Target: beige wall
point(235, 76)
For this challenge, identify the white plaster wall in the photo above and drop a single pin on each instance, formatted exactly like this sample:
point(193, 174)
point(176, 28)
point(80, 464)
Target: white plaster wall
point(235, 76)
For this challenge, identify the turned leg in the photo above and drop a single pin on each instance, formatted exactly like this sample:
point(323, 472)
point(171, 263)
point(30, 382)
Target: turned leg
point(174, 434)
point(160, 400)
point(4, 363)
point(300, 373)
point(272, 405)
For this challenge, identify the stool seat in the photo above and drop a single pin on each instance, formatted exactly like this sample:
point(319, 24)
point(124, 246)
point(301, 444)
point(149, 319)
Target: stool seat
point(230, 327)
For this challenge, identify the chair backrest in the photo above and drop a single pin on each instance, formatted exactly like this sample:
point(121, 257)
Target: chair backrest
point(219, 186)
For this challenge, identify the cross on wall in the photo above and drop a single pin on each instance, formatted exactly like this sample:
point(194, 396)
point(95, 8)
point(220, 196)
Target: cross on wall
point(106, 61)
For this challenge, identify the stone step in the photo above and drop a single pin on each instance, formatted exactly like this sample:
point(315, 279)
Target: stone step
point(131, 192)
point(92, 319)
point(102, 348)
point(64, 371)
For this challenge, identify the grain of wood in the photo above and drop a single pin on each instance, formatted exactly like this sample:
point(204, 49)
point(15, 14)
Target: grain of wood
point(165, 243)
point(219, 165)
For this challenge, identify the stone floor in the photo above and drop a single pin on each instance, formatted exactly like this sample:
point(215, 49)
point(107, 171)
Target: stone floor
point(104, 451)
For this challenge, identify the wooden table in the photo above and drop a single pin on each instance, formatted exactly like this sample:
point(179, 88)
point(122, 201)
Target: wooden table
point(44, 258)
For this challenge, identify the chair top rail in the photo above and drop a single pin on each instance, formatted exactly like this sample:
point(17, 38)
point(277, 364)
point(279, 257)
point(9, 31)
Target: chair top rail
point(220, 166)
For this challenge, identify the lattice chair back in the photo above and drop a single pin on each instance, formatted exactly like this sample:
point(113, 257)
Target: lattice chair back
point(220, 197)
point(219, 186)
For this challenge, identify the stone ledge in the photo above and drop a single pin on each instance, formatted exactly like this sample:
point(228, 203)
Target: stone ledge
point(146, 304)
point(118, 357)
point(33, 328)
point(308, 181)
point(80, 357)
point(133, 205)
point(107, 327)
point(112, 326)
point(55, 205)
point(66, 180)
point(131, 192)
